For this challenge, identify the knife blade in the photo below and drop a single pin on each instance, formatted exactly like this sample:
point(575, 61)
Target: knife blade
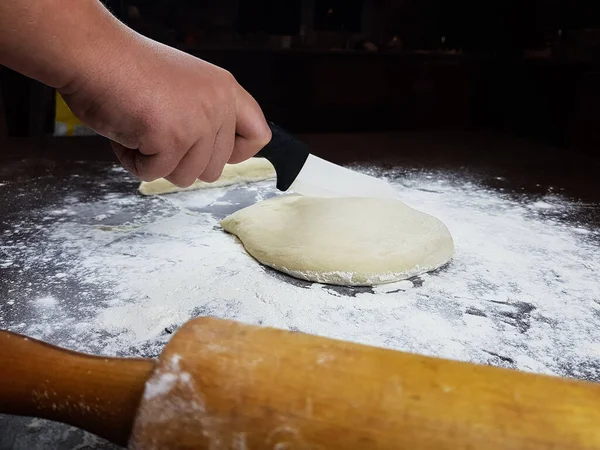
point(300, 171)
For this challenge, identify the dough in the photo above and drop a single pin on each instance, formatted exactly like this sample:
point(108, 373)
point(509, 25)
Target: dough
point(345, 241)
point(253, 169)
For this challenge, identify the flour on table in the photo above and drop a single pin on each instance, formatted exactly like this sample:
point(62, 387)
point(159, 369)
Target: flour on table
point(46, 302)
point(522, 290)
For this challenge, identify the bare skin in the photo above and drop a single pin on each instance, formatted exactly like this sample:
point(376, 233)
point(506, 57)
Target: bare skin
point(168, 114)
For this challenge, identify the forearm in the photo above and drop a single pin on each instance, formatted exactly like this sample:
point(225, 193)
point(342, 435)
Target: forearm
point(168, 113)
point(56, 41)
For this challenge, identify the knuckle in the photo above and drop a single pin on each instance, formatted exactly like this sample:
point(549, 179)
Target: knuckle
point(180, 139)
point(145, 124)
point(228, 78)
point(264, 136)
point(260, 139)
point(226, 90)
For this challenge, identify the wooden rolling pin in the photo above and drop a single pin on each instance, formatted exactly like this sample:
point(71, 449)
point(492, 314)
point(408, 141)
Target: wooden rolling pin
point(224, 385)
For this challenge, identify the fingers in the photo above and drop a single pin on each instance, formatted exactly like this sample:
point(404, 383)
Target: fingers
point(164, 155)
point(145, 167)
point(191, 165)
point(204, 160)
point(126, 157)
point(252, 130)
point(148, 163)
point(182, 156)
point(160, 154)
point(221, 152)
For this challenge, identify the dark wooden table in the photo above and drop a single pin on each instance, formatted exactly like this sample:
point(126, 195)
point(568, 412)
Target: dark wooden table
point(522, 164)
point(525, 161)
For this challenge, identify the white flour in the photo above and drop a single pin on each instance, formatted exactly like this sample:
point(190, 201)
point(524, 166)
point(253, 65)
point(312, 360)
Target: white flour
point(164, 380)
point(47, 301)
point(523, 290)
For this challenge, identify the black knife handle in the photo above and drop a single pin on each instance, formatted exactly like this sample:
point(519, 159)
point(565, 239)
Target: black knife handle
point(287, 154)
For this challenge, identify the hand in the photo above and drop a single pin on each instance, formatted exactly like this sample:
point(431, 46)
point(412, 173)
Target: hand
point(169, 115)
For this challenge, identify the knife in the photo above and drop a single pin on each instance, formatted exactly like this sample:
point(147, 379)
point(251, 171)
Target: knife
point(300, 171)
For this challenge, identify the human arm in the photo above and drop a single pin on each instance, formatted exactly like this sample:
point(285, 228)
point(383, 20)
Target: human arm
point(168, 113)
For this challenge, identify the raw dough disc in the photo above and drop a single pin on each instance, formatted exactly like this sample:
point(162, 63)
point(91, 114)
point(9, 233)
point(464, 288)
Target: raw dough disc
point(345, 241)
point(253, 169)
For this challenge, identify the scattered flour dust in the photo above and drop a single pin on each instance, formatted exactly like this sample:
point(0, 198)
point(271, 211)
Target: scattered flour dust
point(165, 379)
point(46, 302)
point(522, 291)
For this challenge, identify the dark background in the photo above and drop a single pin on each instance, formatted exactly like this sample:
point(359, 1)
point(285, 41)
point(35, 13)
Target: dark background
point(529, 68)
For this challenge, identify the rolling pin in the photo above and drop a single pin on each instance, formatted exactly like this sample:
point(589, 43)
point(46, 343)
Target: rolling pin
point(224, 385)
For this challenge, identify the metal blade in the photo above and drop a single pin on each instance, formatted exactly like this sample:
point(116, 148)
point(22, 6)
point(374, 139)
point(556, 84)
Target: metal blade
point(321, 178)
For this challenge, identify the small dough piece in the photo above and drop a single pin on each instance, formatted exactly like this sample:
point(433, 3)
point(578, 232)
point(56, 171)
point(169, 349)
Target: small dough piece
point(345, 241)
point(253, 169)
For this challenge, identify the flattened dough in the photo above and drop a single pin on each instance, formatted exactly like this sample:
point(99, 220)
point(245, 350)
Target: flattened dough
point(253, 169)
point(345, 241)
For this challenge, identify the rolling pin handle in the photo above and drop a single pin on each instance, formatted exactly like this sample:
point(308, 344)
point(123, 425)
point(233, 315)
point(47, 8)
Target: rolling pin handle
point(100, 395)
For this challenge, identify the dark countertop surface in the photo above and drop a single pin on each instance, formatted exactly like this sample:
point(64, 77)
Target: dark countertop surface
point(524, 160)
point(42, 172)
